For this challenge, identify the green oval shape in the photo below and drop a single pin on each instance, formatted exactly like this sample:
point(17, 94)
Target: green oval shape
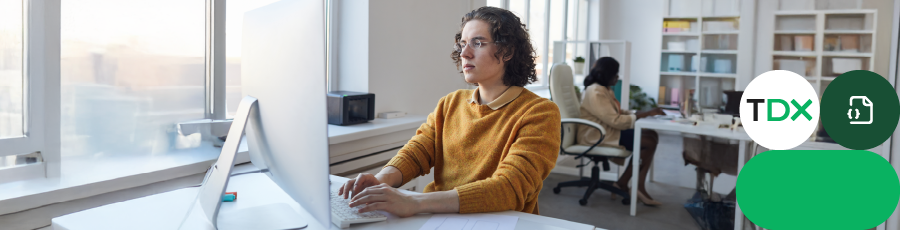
point(818, 189)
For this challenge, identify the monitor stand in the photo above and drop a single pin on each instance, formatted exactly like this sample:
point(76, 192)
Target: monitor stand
point(204, 210)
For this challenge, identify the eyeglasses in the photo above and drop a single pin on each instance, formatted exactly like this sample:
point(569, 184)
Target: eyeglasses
point(476, 44)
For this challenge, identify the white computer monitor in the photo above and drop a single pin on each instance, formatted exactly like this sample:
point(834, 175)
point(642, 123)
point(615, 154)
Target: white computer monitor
point(283, 68)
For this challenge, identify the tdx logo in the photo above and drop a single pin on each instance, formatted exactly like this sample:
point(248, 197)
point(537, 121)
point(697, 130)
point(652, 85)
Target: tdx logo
point(779, 110)
point(798, 109)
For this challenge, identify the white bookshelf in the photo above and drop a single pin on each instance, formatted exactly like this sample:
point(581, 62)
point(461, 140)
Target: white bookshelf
point(709, 52)
point(841, 40)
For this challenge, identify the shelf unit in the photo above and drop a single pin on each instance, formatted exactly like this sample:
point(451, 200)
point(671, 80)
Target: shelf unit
point(704, 57)
point(841, 40)
point(825, 23)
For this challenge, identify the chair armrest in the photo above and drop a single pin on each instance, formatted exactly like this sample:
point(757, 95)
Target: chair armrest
point(585, 122)
point(588, 123)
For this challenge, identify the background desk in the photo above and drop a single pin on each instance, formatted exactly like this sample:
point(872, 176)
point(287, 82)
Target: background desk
point(166, 210)
point(668, 125)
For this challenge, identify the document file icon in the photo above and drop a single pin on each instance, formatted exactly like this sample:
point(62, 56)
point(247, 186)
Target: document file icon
point(854, 114)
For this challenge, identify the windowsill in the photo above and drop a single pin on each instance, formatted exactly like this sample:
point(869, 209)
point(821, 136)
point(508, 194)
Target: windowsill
point(89, 177)
point(341, 134)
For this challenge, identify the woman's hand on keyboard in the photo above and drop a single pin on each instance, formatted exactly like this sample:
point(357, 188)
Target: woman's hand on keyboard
point(363, 181)
point(386, 198)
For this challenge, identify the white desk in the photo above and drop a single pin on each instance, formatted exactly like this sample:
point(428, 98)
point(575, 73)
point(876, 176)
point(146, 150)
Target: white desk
point(669, 125)
point(166, 210)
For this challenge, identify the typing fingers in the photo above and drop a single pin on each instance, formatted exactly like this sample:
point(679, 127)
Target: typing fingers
point(368, 199)
point(374, 206)
point(346, 188)
point(358, 185)
point(368, 191)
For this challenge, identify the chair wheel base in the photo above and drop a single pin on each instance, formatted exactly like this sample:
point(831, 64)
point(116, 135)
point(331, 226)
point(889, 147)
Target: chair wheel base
point(556, 190)
point(582, 202)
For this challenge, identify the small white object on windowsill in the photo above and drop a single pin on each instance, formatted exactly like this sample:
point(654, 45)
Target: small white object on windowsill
point(392, 114)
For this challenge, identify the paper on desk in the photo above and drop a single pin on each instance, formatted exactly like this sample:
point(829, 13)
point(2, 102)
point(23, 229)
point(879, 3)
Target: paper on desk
point(470, 222)
point(672, 112)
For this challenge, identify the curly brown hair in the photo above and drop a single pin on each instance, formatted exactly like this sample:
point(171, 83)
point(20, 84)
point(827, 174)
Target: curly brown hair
point(511, 36)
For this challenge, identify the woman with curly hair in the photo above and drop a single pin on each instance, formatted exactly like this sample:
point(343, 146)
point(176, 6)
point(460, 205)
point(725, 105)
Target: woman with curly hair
point(491, 148)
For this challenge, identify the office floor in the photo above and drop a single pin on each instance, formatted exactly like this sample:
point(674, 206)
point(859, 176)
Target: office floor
point(603, 212)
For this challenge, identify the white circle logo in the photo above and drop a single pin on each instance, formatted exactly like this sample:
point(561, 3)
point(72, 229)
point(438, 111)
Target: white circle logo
point(779, 110)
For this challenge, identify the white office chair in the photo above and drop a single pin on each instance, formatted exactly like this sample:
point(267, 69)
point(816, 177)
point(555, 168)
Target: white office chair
point(562, 92)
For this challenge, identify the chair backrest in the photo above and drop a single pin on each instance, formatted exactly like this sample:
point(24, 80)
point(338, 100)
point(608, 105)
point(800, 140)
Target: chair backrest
point(562, 92)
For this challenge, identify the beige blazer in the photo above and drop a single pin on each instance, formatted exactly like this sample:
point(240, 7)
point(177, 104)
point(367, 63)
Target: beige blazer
point(598, 104)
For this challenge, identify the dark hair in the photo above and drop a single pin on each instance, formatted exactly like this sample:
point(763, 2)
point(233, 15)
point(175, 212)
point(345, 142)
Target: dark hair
point(603, 71)
point(512, 40)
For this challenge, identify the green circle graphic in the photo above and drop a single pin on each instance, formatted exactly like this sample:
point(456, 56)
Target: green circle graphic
point(860, 110)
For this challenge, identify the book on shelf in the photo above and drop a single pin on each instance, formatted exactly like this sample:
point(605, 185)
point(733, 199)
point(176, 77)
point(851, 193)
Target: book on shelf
point(849, 43)
point(865, 44)
point(803, 43)
point(720, 26)
point(662, 95)
point(675, 97)
point(787, 42)
point(676, 26)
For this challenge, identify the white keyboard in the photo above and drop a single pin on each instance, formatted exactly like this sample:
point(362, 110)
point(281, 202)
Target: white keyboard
point(342, 215)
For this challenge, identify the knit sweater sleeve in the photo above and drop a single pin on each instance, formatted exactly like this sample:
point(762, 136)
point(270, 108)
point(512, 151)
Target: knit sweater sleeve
point(521, 173)
point(418, 155)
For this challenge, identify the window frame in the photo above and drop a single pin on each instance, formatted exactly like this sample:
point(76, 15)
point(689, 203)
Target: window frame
point(41, 83)
point(546, 33)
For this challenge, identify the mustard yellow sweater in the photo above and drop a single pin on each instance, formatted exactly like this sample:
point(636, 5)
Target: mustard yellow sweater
point(496, 160)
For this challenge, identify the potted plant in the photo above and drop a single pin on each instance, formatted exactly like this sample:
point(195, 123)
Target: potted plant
point(579, 65)
point(639, 100)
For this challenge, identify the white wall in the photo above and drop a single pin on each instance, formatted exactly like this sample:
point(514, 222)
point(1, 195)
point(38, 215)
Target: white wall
point(639, 22)
point(408, 45)
point(352, 46)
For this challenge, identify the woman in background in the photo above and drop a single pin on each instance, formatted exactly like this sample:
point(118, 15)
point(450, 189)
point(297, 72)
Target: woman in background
point(599, 105)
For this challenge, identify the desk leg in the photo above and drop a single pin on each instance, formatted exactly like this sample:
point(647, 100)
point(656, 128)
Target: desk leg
point(635, 167)
point(738, 214)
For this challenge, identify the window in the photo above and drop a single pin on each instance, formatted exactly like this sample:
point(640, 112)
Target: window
point(536, 27)
point(567, 19)
point(12, 75)
point(130, 70)
point(234, 18)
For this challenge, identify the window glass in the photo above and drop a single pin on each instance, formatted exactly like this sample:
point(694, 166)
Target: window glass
point(11, 69)
point(130, 71)
point(536, 31)
point(234, 18)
